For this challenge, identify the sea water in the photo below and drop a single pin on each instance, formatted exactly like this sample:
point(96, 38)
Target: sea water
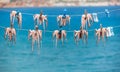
point(68, 57)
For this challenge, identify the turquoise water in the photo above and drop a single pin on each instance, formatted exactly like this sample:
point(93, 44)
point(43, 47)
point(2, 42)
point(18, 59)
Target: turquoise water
point(66, 58)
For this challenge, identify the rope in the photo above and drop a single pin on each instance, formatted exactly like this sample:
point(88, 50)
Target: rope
point(88, 30)
point(28, 14)
point(57, 15)
point(4, 10)
point(48, 31)
point(73, 15)
point(2, 27)
point(52, 31)
point(16, 29)
point(23, 29)
point(114, 10)
point(116, 26)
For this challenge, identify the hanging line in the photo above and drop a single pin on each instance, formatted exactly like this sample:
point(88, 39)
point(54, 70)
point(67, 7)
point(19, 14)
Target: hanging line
point(57, 15)
point(52, 31)
point(16, 29)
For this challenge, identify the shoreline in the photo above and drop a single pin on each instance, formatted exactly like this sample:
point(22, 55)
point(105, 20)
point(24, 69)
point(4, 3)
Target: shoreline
point(18, 5)
point(57, 6)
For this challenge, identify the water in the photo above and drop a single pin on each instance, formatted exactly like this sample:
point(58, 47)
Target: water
point(66, 58)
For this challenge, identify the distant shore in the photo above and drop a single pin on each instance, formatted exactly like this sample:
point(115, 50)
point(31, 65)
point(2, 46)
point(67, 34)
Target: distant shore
point(48, 4)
